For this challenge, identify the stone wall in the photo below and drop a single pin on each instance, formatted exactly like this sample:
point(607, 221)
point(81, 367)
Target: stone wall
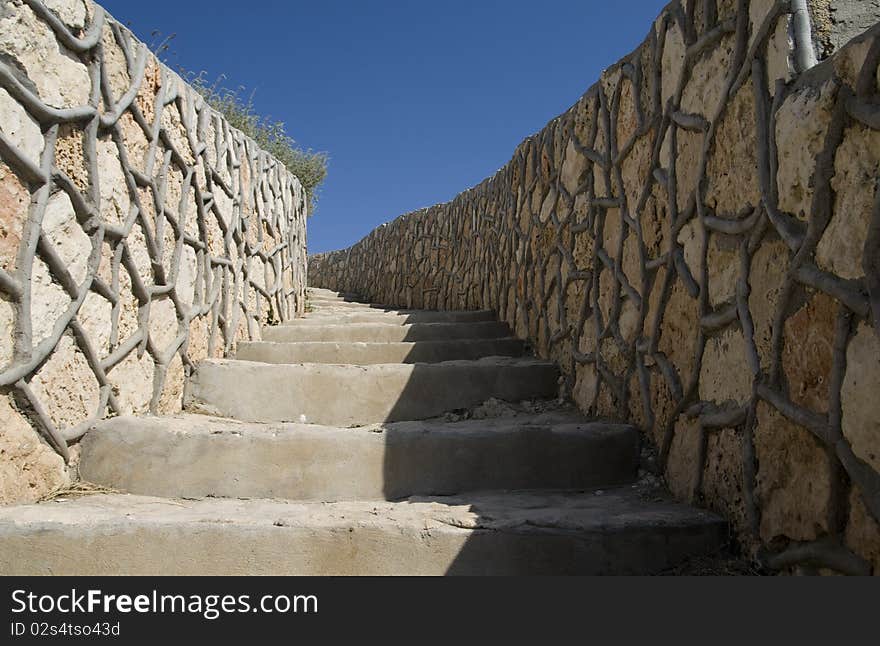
point(697, 243)
point(139, 233)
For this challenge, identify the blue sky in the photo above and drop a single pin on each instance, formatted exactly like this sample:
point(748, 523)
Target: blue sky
point(413, 101)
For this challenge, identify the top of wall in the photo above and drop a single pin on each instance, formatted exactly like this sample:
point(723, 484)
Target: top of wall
point(85, 21)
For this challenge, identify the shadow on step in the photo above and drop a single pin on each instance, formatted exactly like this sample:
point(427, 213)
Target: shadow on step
point(553, 498)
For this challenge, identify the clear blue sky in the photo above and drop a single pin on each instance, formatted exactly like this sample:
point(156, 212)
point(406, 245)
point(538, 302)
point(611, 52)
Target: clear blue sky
point(414, 101)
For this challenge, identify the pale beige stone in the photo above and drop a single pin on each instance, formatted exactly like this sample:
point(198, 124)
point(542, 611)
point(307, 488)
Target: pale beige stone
point(95, 316)
point(856, 168)
point(682, 465)
point(115, 66)
point(859, 395)
point(14, 201)
point(723, 264)
point(140, 254)
point(223, 205)
point(779, 54)
point(71, 12)
point(187, 275)
point(705, 87)
point(69, 156)
point(768, 269)
point(115, 199)
point(20, 128)
point(132, 379)
point(807, 353)
point(732, 165)
point(725, 373)
point(672, 63)
point(171, 399)
point(163, 323)
point(66, 385)
point(29, 467)
point(794, 479)
point(863, 530)
point(635, 168)
point(572, 167)
point(49, 302)
point(679, 330)
point(7, 322)
point(691, 237)
point(687, 164)
point(173, 125)
point(70, 241)
point(61, 80)
point(586, 385)
point(136, 143)
point(801, 124)
point(723, 482)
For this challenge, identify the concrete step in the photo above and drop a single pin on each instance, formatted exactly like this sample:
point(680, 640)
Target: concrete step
point(369, 353)
point(345, 395)
point(385, 333)
point(319, 293)
point(614, 532)
point(361, 314)
point(320, 304)
point(224, 458)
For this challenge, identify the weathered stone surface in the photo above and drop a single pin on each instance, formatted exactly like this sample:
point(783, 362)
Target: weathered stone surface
point(725, 373)
point(14, 199)
point(863, 530)
point(794, 479)
point(723, 478)
point(861, 405)
point(856, 167)
point(672, 62)
point(766, 280)
point(61, 80)
point(732, 164)
point(683, 467)
point(29, 468)
point(20, 128)
point(679, 330)
point(69, 156)
point(525, 533)
point(224, 458)
point(70, 241)
point(49, 301)
point(66, 385)
point(116, 201)
point(801, 124)
point(807, 351)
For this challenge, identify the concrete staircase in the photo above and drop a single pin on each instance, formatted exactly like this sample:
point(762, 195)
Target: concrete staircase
point(329, 448)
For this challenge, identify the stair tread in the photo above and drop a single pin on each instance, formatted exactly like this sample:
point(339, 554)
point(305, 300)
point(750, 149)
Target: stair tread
point(194, 423)
point(380, 392)
point(225, 458)
point(607, 510)
point(521, 532)
point(368, 352)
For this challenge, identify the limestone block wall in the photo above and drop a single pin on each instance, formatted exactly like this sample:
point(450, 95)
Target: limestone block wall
point(139, 233)
point(697, 243)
